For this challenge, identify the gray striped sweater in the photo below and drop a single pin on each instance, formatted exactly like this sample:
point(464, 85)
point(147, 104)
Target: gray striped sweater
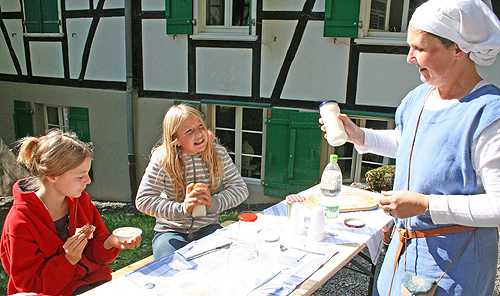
point(156, 195)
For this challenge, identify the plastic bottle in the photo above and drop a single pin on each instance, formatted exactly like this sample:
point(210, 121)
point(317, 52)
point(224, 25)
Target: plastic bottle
point(331, 185)
point(335, 132)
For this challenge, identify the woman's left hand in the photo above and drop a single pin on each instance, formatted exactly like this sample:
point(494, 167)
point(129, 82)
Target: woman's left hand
point(113, 242)
point(403, 204)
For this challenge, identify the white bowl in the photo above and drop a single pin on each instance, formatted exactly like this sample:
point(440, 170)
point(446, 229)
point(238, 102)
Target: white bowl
point(126, 234)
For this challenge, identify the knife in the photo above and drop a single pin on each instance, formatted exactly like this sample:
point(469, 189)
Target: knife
point(224, 246)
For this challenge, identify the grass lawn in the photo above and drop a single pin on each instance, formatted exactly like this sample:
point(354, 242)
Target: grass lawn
point(126, 257)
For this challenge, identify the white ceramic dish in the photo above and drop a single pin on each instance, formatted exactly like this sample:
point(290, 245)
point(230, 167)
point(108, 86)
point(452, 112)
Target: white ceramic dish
point(126, 234)
point(191, 283)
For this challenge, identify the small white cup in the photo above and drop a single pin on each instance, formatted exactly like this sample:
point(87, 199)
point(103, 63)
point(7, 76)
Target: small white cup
point(297, 225)
point(317, 225)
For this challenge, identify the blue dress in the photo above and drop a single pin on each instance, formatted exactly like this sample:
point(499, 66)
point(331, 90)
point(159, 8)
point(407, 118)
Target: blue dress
point(441, 164)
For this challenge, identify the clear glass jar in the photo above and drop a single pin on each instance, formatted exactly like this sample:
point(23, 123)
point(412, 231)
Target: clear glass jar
point(242, 265)
point(269, 248)
point(247, 228)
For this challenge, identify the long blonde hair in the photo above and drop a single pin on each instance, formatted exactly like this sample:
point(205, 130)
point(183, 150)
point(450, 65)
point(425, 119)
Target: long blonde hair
point(51, 155)
point(173, 162)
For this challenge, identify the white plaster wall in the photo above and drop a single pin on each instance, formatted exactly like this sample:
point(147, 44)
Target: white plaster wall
point(110, 4)
point(276, 37)
point(46, 59)
point(491, 73)
point(283, 5)
point(15, 33)
point(153, 5)
point(148, 128)
point(10, 5)
point(224, 71)
point(107, 56)
point(165, 58)
point(319, 6)
point(319, 70)
point(7, 64)
point(108, 129)
point(78, 30)
point(384, 80)
point(77, 4)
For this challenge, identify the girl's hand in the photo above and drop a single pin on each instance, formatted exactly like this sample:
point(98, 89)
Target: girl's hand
point(74, 247)
point(403, 204)
point(355, 134)
point(197, 194)
point(113, 242)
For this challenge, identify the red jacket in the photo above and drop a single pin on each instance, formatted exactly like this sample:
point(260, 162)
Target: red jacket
point(32, 253)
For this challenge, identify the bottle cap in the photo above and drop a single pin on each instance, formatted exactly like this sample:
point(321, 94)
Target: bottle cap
point(334, 157)
point(326, 102)
point(248, 217)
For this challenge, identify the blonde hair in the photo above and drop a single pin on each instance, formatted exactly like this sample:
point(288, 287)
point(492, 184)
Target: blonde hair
point(52, 155)
point(173, 162)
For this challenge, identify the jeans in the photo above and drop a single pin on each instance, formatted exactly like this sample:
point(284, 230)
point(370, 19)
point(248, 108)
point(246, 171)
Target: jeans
point(165, 243)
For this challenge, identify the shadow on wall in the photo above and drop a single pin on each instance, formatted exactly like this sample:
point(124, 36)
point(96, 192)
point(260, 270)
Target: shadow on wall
point(10, 170)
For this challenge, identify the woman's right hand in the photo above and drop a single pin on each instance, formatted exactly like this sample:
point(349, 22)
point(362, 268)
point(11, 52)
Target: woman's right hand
point(74, 247)
point(354, 133)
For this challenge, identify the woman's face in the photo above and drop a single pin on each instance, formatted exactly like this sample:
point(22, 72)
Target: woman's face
point(192, 136)
point(73, 182)
point(435, 62)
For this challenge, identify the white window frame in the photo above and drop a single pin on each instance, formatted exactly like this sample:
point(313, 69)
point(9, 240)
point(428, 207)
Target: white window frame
point(367, 36)
point(238, 131)
point(356, 158)
point(238, 33)
point(62, 113)
point(59, 18)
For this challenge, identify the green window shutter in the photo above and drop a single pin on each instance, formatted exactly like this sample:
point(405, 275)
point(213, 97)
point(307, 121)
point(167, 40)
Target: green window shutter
point(249, 2)
point(78, 121)
point(33, 16)
point(179, 14)
point(23, 124)
point(292, 152)
point(277, 146)
point(341, 18)
point(50, 16)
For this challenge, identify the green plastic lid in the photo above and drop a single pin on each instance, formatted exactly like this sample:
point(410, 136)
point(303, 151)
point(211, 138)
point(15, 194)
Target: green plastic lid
point(334, 157)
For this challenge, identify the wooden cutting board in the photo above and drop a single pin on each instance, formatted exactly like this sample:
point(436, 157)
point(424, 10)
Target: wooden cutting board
point(350, 201)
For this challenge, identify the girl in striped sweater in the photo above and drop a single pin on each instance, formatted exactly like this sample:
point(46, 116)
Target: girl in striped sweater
point(187, 170)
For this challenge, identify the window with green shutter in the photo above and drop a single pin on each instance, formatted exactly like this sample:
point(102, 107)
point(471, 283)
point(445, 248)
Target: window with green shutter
point(214, 18)
point(179, 14)
point(342, 18)
point(78, 122)
point(293, 149)
point(23, 122)
point(41, 16)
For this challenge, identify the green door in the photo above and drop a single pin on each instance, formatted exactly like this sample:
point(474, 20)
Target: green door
point(292, 152)
point(23, 123)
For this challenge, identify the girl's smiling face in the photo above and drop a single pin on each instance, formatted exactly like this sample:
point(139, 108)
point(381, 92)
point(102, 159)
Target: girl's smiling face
point(192, 136)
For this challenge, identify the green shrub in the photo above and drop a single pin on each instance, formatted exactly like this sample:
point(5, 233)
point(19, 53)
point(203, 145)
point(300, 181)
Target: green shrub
point(381, 179)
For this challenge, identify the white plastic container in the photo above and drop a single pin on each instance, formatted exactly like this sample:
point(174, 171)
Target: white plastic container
point(199, 211)
point(247, 228)
point(335, 132)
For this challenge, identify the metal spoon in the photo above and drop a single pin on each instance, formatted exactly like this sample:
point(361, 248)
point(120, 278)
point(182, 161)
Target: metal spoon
point(283, 249)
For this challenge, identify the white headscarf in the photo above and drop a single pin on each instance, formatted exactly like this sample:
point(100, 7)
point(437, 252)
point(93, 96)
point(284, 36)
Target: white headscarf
point(469, 23)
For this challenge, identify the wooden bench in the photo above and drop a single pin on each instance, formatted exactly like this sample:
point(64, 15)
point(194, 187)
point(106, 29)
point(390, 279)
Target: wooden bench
point(146, 260)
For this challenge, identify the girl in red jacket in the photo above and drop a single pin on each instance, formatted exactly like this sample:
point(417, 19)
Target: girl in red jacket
point(40, 249)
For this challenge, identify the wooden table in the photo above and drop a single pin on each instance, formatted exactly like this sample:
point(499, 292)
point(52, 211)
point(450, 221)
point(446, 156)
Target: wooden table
point(347, 253)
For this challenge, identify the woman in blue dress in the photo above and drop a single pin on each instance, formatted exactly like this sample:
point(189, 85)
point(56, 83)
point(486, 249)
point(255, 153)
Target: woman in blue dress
point(446, 197)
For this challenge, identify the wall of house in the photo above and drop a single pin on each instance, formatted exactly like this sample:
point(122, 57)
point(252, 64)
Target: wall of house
point(108, 129)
